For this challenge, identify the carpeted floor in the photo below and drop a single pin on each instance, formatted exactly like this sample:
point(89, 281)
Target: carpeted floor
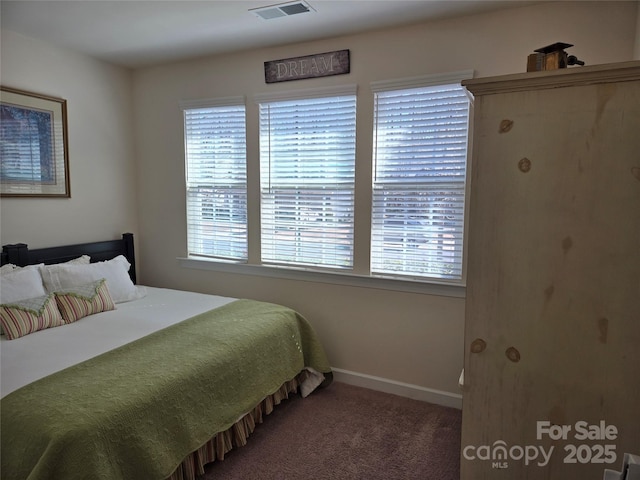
point(344, 432)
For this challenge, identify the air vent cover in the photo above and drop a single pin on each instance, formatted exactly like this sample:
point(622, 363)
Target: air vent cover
point(282, 10)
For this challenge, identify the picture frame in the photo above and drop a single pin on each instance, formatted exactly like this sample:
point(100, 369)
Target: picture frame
point(33, 145)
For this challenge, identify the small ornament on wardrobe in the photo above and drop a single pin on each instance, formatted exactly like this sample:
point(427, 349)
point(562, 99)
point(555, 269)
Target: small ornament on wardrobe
point(551, 57)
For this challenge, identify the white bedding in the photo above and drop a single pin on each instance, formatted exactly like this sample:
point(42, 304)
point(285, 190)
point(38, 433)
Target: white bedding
point(34, 356)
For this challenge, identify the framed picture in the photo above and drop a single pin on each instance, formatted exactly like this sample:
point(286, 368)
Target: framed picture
point(33, 145)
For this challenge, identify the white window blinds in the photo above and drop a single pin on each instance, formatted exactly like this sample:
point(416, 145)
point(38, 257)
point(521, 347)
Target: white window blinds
point(420, 156)
point(215, 150)
point(307, 158)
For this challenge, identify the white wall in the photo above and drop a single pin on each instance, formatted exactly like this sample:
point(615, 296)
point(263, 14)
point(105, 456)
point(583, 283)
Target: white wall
point(406, 337)
point(101, 156)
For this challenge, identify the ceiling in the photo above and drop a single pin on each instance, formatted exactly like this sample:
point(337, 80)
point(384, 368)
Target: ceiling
point(136, 33)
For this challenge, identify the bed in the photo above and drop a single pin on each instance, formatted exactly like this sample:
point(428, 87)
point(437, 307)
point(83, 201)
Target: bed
point(135, 382)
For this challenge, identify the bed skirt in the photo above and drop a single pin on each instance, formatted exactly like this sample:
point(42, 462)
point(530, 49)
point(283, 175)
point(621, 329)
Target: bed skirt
point(236, 436)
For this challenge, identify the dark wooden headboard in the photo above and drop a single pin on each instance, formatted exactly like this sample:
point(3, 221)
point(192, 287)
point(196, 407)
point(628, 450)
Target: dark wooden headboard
point(20, 254)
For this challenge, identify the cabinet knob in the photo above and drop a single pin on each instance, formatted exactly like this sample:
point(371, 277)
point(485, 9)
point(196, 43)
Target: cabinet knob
point(478, 345)
point(524, 165)
point(512, 354)
point(505, 125)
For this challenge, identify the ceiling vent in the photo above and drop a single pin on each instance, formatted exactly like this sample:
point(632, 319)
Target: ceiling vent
point(282, 10)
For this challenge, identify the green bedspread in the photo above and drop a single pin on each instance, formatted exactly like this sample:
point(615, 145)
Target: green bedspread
point(137, 411)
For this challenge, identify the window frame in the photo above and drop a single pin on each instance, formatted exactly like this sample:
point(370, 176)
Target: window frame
point(194, 105)
point(254, 267)
point(267, 237)
point(417, 83)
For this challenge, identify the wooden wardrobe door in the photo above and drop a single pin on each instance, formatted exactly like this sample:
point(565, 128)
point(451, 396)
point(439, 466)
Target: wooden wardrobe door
point(553, 298)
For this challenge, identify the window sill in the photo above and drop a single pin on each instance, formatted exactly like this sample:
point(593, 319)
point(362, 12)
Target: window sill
point(383, 283)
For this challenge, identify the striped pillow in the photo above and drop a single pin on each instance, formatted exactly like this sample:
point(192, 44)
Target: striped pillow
point(77, 302)
point(27, 316)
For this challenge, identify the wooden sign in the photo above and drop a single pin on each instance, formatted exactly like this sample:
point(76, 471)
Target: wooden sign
point(310, 66)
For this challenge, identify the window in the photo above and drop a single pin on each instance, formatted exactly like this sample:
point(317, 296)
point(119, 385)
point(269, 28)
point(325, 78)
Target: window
point(412, 189)
point(419, 172)
point(215, 152)
point(307, 179)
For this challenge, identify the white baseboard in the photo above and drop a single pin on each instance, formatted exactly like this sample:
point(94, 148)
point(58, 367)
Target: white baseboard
point(409, 390)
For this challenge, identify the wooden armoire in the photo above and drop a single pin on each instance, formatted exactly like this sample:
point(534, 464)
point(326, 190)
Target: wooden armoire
point(552, 334)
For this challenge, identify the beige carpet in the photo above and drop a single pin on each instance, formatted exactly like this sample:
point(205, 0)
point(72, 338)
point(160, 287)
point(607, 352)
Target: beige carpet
point(344, 432)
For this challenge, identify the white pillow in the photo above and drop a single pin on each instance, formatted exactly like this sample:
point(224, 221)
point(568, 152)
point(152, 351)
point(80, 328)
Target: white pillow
point(7, 267)
point(10, 267)
point(81, 260)
point(115, 271)
point(21, 284)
